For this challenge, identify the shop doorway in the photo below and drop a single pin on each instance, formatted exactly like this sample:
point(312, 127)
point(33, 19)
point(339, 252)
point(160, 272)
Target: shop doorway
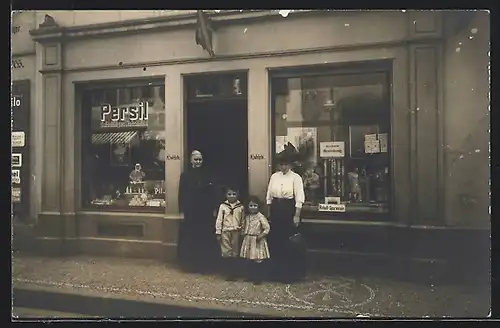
point(217, 125)
point(219, 130)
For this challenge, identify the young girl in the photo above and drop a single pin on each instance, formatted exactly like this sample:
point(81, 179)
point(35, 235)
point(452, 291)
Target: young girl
point(227, 228)
point(254, 247)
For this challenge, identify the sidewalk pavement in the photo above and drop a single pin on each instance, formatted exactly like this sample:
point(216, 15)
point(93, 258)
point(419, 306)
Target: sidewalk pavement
point(318, 296)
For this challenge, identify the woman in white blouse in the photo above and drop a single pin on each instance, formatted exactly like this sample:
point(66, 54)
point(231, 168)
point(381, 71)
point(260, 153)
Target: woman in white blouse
point(285, 196)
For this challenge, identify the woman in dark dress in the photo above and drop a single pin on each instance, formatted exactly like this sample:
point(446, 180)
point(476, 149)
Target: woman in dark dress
point(285, 196)
point(197, 247)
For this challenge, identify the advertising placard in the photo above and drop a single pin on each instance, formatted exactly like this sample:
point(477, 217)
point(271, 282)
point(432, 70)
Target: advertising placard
point(16, 176)
point(331, 208)
point(332, 149)
point(134, 115)
point(18, 139)
point(16, 195)
point(17, 160)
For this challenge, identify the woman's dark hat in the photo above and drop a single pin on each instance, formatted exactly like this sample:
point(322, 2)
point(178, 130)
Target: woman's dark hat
point(288, 155)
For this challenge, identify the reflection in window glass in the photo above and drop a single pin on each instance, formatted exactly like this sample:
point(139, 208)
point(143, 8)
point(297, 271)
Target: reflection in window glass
point(340, 124)
point(123, 160)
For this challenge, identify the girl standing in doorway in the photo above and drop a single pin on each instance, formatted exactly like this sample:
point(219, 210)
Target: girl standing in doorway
point(254, 247)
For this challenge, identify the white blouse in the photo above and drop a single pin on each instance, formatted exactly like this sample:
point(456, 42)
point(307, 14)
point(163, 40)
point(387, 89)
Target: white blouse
point(288, 186)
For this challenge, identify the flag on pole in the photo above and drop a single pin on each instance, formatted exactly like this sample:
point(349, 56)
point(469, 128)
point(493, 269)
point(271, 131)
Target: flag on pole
point(204, 32)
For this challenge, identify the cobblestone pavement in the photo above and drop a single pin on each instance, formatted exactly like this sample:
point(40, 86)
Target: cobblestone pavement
point(318, 296)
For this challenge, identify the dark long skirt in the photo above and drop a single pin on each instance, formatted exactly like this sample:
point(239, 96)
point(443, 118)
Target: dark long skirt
point(197, 249)
point(287, 263)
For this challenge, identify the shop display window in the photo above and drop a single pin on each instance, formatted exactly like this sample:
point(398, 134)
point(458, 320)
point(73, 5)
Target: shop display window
point(123, 148)
point(340, 126)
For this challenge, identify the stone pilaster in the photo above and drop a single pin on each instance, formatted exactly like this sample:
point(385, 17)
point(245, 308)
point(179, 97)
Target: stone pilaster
point(426, 120)
point(259, 132)
point(56, 224)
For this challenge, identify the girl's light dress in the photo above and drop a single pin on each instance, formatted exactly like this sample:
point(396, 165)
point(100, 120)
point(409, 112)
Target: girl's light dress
point(253, 249)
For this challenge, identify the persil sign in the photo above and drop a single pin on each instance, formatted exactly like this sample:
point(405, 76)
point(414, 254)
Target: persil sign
point(124, 116)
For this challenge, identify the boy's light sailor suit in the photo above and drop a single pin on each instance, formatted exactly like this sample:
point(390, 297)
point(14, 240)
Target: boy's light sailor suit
point(228, 225)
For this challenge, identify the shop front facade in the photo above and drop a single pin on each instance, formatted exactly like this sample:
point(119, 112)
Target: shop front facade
point(363, 96)
point(24, 118)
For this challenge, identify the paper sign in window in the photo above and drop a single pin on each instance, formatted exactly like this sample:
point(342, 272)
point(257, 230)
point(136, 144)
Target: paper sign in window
point(331, 208)
point(17, 160)
point(332, 149)
point(372, 146)
point(16, 195)
point(370, 137)
point(382, 137)
point(16, 176)
point(18, 139)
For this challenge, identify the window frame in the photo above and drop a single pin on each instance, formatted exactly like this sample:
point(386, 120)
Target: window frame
point(81, 88)
point(351, 68)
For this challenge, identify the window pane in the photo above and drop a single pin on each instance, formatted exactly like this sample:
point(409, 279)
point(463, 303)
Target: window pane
point(340, 125)
point(124, 148)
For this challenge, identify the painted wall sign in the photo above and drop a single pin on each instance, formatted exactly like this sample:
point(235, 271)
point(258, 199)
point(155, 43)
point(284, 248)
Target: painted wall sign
point(332, 149)
point(16, 63)
point(18, 139)
point(257, 157)
point(16, 195)
point(16, 176)
point(125, 116)
point(331, 208)
point(173, 158)
point(17, 160)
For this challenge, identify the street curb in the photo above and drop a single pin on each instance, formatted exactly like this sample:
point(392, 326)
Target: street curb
point(41, 294)
point(111, 305)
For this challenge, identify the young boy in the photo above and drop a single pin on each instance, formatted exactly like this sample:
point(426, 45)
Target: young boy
point(227, 228)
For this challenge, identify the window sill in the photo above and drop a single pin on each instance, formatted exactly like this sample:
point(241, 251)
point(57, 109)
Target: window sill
point(358, 213)
point(352, 208)
point(128, 209)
